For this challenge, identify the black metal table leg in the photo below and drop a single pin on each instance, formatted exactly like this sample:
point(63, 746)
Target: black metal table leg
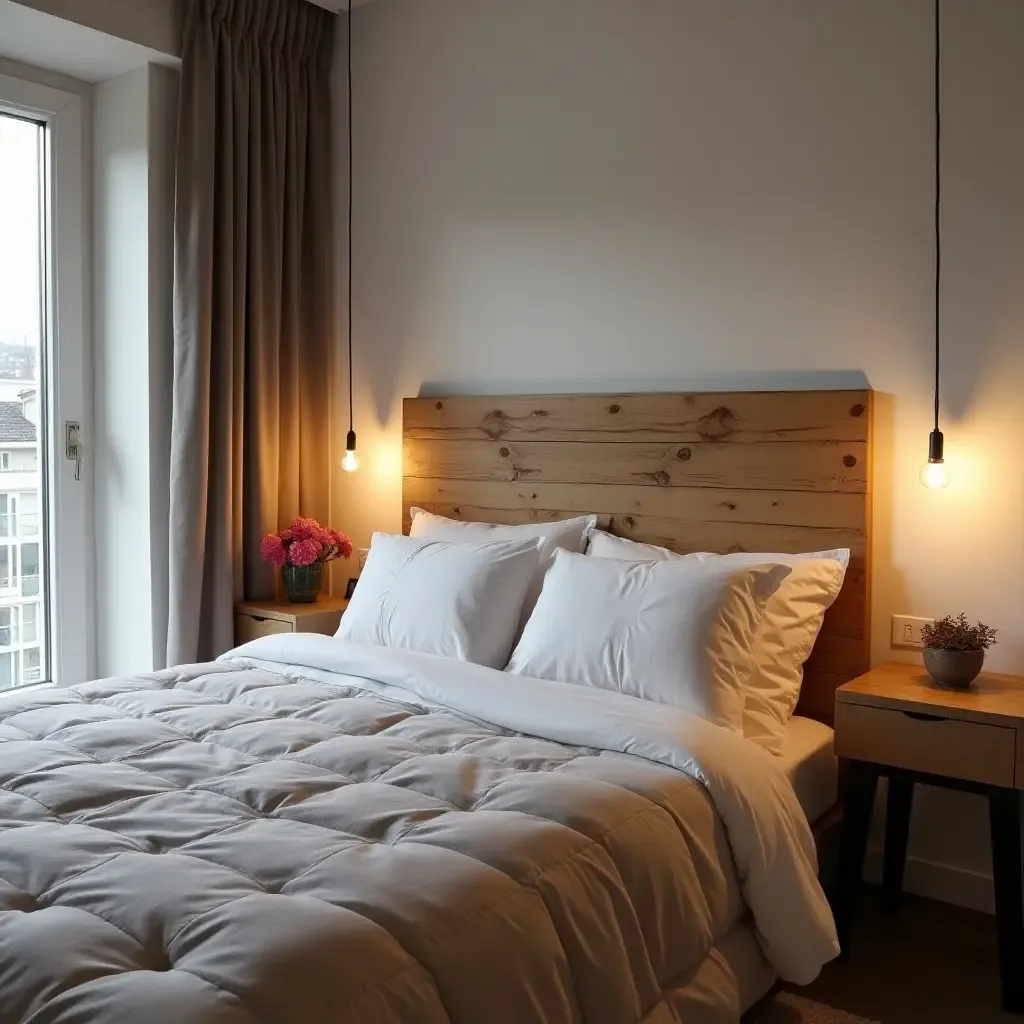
point(858, 801)
point(1005, 822)
point(897, 830)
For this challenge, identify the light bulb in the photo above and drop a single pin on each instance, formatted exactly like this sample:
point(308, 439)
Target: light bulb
point(935, 475)
point(350, 463)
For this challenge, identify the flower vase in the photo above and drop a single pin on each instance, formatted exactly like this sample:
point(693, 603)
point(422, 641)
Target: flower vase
point(302, 583)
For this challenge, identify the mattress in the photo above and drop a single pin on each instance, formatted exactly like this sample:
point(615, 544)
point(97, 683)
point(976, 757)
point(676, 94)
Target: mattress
point(810, 764)
point(309, 825)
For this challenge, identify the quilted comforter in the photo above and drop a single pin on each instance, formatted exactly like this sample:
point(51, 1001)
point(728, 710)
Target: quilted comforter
point(309, 831)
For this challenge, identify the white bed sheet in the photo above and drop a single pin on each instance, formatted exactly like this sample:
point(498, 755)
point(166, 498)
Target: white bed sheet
point(810, 764)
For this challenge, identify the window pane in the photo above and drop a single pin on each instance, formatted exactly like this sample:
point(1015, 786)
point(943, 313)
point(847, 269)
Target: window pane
point(6, 663)
point(30, 570)
point(28, 622)
point(23, 259)
point(28, 514)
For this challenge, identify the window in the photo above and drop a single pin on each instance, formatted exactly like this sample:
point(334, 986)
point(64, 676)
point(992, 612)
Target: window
point(43, 328)
point(31, 665)
point(4, 516)
point(7, 678)
point(28, 514)
point(30, 570)
point(8, 636)
point(29, 617)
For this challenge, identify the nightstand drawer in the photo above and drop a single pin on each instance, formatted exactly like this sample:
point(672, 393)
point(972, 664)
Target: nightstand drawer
point(252, 627)
point(941, 746)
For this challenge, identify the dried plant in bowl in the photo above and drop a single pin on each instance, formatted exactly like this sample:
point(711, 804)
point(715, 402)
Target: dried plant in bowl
point(954, 650)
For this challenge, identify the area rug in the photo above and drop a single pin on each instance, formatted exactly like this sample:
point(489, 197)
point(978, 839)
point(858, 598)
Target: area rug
point(786, 1008)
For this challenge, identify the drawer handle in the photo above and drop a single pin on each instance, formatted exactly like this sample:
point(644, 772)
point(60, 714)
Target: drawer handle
point(920, 716)
point(263, 618)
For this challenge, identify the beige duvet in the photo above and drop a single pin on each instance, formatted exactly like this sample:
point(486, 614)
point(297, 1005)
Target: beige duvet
point(315, 832)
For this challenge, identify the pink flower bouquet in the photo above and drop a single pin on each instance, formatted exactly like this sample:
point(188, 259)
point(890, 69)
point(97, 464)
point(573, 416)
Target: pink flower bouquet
point(303, 543)
point(300, 552)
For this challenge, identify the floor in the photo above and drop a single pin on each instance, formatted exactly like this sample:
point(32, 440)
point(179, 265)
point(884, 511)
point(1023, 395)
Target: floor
point(930, 962)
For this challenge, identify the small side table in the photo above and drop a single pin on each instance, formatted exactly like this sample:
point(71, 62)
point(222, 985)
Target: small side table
point(254, 619)
point(894, 721)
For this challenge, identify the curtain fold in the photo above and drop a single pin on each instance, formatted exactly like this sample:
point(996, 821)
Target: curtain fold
point(252, 307)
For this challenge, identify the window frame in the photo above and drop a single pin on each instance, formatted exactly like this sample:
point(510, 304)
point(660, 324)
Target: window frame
point(65, 504)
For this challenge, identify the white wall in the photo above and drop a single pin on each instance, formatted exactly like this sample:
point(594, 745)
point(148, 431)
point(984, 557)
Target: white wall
point(133, 195)
point(593, 195)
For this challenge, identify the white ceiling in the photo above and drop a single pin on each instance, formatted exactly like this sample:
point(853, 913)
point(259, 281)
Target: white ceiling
point(40, 39)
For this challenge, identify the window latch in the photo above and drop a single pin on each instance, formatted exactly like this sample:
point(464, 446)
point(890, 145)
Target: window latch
point(73, 445)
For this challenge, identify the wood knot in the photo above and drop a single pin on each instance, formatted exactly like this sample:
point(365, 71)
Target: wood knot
point(684, 455)
point(614, 409)
point(730, 505)
point(849, 461)
point(629, 521)
point(858, 410)
point(494, 424)
point(735, 549)
point(717, 424)
point(504, 453)
point(439, 406)
point(661, 478)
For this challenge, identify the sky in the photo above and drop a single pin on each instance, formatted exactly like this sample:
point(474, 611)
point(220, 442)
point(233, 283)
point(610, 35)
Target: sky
point(19, 231)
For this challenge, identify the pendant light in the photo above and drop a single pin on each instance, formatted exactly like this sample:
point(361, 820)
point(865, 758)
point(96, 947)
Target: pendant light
point(935, 473)
point(350, 463)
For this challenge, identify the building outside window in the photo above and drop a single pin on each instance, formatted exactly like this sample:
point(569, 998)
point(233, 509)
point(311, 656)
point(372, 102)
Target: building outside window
point(20, 589)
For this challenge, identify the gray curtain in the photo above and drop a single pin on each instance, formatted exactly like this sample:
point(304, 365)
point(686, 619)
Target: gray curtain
point(252, 278)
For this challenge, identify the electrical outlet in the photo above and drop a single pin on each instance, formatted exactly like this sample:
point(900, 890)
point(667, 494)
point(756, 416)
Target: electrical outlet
point(363, 552)
point(906, 630)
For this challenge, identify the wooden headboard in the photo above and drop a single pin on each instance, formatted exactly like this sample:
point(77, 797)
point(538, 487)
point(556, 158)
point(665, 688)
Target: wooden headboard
point(745, 471)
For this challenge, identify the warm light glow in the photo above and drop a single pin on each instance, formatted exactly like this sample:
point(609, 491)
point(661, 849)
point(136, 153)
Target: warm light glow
point(935, 475)
point(350, 463)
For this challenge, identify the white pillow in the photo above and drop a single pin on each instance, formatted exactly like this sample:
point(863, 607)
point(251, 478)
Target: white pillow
point(790, 625)
point(677, 634)
point(460, 601)
point(570, 534)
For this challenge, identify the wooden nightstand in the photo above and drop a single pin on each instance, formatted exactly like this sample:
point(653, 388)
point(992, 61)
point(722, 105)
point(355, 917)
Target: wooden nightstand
point(254, 619)
point(894, 721)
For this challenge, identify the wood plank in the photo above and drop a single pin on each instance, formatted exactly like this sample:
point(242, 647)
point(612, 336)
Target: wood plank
point(842, 655)
point(949, 747)
point(695, 504)
point(849, 614)
point(712, 416)
point(792, 465)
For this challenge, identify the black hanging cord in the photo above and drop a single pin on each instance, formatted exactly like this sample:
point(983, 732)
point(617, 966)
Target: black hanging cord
point(351, 414)
point(938, 201)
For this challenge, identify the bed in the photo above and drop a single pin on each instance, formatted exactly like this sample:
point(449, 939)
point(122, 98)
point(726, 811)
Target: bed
point(308, 830)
